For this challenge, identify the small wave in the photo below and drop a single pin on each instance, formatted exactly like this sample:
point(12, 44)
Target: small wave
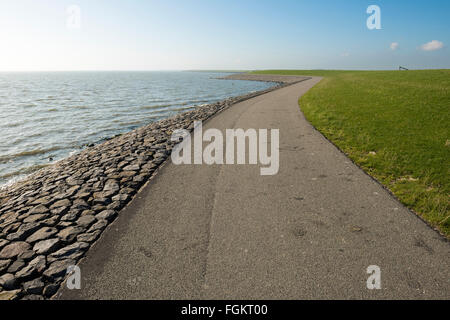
point(24, 171)
point(14, 124)
point(158, 106)
point(6, 158)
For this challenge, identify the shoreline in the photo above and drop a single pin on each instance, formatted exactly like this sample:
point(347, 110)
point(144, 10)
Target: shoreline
point(49, 219)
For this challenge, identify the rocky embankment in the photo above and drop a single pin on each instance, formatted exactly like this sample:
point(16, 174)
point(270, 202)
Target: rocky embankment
point(49, 220)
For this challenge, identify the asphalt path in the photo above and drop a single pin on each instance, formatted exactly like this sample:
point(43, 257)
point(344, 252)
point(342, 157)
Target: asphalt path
point(228, 232)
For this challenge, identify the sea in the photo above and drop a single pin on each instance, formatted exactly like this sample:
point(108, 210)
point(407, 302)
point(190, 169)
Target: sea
point(47, 116)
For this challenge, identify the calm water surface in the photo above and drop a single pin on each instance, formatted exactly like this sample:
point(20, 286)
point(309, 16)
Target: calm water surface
point(46, 116)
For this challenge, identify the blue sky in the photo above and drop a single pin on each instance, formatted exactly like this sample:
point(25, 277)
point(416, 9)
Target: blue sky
point(219, 34)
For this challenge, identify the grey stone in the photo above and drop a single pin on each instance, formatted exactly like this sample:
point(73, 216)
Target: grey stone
point(9, 295)
point(8, 281)
point(33, 297)
point(89, 237)
point(4, 264)
point(100, 225)
point(37, 265)
point(24, 231)
point(116, 205)
point(26, 255)
point(39, 209)
point(71, 216)
point(58, 269)
point(50, 290)
point(132, 167)
point(35, 286)
point(68, 250)
point(47, 246)
point(69, 234)
point(16, 266)
point(13, 249)
point(111, 185)
point(35, 217)
point(80, 204)
point(88, 213)
point(41, 234)
point(106, 215)
point(86, 221)
point(61, 203)
point(3, 243)
point(121, 197)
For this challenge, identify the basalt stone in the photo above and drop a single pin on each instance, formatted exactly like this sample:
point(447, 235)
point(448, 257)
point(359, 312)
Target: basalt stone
point(41, 234)
point(35, 266)
point(60, 210)
point(89, 237)
point(57, 270)
point(16, 266)
point(69, 250)
point(27, 255)
point(121, 197)
point(61, 203)
point(10, 295)
point(99, 207)
point(69, 234)
point(14, 249)
point(3, 243)
point(83, 195)
point(50, 290)
point(10, 227)
point(24, 231)
point(111, 185)
point(72, 215)
point(71, 191)
point(106, 215)
point(34, 287)
point(116, 205)
point(47, 246)
point(72, 181)
point(139, 178)
point(35, 217)
point(4, 264)
point(100, 225)
point(86, 221)
point(87, 213)
point(9, 217)
point(50, 222)
point(127, 190)
point(39, 209)
point(8, 281)
point(32, 297)
point(80, 204)
point(132, 167)
point(125, 174)
point(65, 224)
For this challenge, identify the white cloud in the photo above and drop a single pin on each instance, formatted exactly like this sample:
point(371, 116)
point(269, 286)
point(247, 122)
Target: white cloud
point(345, 54)
point(394, 45)
point(432, 46)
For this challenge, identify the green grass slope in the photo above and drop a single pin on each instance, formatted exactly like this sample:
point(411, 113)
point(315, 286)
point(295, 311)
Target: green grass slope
point(393, 124)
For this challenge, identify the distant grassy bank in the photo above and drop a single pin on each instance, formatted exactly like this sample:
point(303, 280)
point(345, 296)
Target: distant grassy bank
point(395, 125)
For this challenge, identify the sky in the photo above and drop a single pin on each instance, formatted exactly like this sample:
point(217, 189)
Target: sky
point(51, 35)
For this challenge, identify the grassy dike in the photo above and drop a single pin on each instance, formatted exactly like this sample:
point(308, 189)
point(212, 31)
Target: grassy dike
point(393, 124)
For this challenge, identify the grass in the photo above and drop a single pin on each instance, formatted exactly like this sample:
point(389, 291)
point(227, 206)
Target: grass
point(393, 124)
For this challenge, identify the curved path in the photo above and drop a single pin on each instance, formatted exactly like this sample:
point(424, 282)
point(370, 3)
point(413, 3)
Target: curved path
point(226, 232)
